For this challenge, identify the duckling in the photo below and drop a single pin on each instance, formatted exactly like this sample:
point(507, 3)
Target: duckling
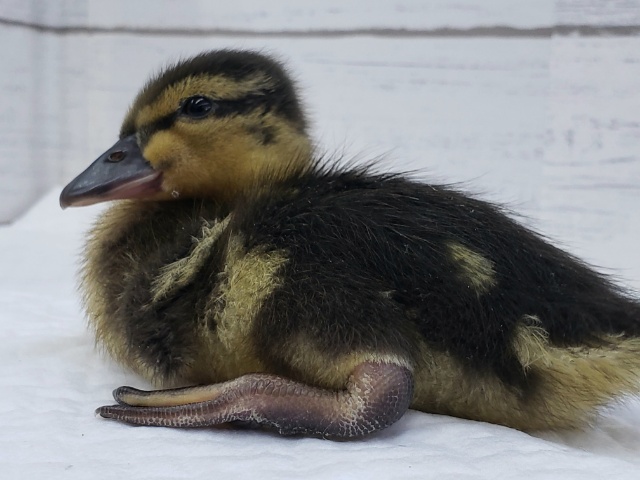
point(258, 284)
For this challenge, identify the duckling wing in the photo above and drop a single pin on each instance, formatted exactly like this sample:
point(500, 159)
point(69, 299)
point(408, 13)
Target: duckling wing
point(387, 265)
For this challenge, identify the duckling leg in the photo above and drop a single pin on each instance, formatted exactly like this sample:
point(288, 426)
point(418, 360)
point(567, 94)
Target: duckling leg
point(376, 395)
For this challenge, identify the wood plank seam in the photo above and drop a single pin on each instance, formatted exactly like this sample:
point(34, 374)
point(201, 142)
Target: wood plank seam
point(497, 31)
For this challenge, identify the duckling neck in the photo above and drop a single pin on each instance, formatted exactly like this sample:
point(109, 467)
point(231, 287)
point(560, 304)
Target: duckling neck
point(141, 224)
point(137, 240)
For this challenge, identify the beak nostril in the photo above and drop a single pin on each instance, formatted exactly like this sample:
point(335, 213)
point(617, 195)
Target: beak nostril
point(116, 156)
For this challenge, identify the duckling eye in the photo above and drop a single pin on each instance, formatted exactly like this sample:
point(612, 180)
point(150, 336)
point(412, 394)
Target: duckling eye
point(196, 107)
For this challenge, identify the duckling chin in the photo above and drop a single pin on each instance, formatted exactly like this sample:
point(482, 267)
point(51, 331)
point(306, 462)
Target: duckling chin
point(324, 300)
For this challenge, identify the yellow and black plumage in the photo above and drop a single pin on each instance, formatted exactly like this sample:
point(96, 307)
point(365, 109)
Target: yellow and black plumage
point(237, 261)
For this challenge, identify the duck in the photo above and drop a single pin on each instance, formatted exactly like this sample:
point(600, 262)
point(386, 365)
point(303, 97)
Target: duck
point(255, 282)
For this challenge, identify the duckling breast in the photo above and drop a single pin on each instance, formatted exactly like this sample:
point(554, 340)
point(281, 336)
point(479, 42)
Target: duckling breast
point(144, 282)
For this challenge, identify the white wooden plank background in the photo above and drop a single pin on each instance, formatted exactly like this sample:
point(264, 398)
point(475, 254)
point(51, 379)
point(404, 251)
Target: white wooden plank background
point(67, 92)
point(284, 14)
point(598, 12)
point(591, 167)
point(547, 125)
point(328, 14)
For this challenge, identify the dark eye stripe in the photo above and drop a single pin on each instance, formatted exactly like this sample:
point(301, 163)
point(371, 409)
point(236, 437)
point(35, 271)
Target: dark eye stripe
point(240, 106)
point(224, 108)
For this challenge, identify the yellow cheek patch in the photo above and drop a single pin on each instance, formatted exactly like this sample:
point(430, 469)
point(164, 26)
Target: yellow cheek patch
point(164, 149)
point(474, 269)
point(183, 169)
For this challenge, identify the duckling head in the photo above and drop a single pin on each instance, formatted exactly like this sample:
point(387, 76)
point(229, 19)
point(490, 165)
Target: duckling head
point(212, 126)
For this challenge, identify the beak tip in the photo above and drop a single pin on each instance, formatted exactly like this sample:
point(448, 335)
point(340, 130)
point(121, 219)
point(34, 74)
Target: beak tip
point(64, 199)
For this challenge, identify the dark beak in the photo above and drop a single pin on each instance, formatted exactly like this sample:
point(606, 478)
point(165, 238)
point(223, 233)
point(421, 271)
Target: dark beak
point(119, 173)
